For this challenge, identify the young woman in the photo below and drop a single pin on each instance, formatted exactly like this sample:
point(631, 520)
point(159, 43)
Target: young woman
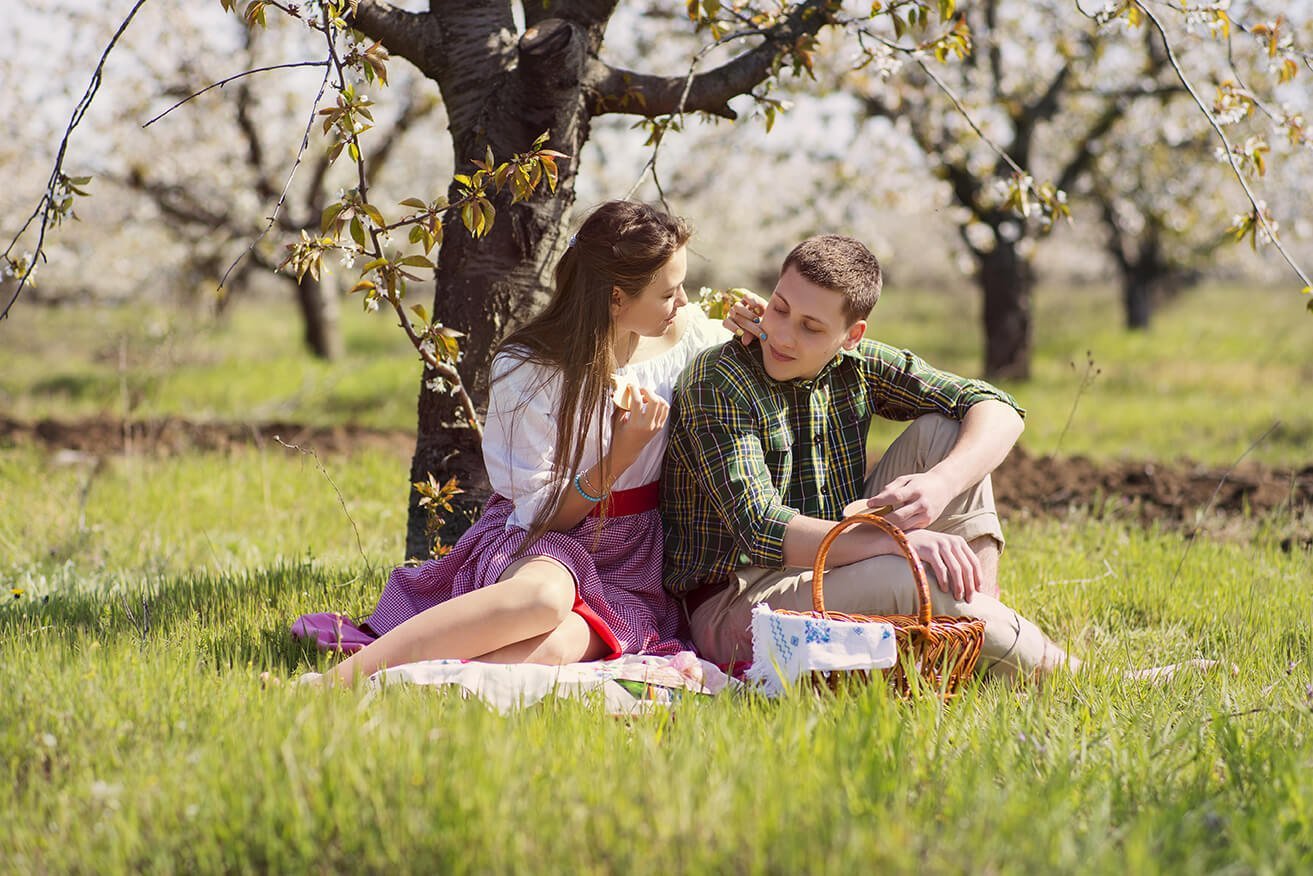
point(565, 563)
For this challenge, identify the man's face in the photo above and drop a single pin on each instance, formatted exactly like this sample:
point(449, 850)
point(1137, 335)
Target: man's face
point(805, 328)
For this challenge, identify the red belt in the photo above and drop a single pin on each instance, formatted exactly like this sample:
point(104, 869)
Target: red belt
point(622, 503)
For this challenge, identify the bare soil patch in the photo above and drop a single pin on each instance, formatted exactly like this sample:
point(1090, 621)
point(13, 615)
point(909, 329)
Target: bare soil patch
point(1173, 493)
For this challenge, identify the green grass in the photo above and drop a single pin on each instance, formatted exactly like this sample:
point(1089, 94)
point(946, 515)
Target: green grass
point(135, 749)
point(135, 735)
point(249, 367)
point(1217, 368)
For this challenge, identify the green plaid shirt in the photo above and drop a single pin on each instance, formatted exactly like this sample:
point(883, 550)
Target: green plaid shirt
point(748, 453)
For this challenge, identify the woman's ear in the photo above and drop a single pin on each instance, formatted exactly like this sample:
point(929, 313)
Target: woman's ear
point(617, 300)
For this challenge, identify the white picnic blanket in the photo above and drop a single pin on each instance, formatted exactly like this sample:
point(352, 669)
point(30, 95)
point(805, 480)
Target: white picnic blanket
point(628, 685)
point(786, 646)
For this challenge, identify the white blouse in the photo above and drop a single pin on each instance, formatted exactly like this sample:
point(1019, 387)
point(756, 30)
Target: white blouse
point(519, 436)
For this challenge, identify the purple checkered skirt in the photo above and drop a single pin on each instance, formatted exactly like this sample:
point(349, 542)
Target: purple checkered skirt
point(618, 573)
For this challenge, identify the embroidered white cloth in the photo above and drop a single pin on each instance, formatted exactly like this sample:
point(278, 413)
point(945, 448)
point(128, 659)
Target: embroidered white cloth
point(628, 685)
point(785, 646)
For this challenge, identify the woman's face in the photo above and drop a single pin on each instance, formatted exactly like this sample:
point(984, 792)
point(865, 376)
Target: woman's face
point(651, 312)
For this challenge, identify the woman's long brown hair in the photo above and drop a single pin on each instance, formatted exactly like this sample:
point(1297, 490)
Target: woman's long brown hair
point(621, 245)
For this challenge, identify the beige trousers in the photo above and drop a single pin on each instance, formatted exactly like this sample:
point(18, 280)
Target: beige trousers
point(884, 585)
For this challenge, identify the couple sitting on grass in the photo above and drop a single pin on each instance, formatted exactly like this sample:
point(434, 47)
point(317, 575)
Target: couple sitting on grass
point(655, 529)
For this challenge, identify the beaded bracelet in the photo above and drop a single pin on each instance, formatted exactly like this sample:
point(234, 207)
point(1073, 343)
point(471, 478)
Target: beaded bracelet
point(579, 486)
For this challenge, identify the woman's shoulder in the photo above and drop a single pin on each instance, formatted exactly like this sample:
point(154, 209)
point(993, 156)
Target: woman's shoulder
point(515, 370)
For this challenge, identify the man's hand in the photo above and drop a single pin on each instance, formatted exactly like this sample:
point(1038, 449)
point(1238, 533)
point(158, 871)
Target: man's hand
point(950, 559)
point(917, 499)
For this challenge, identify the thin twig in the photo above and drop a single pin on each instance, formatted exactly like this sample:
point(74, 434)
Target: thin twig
point(1211, 499)
point(309, 451)
point(300, 156)
point(651, 164)
point(1086, 379)
point(47, 200)
point(222, 82)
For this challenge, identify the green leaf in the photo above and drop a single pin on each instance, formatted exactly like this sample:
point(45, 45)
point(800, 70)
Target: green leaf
point(416, 203)
point(374, 215)
point(357, 232)
point(376, 263)
point(417, 261)
point(330, 213)
point(421, 312)
point(362, 286)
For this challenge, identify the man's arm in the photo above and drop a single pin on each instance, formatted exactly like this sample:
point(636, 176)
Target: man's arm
point(990, 429)
point(905, 387)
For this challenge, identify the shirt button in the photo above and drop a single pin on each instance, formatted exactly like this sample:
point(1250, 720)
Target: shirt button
point(818, 438)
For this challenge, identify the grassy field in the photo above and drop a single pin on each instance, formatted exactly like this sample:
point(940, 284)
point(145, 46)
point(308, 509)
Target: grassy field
point(144, 598)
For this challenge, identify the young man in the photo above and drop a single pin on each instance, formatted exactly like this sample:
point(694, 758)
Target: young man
point(767, 452)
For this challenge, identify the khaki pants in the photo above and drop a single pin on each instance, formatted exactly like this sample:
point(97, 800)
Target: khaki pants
point(884, 585)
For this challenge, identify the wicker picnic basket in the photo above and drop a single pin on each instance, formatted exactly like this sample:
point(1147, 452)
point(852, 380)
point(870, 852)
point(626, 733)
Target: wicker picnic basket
point(942, 650)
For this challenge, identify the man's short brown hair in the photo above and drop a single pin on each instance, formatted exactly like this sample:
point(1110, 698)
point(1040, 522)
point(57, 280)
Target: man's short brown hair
point(840, 264)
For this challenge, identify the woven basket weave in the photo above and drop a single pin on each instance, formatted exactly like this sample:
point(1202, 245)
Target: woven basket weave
point(941, 650)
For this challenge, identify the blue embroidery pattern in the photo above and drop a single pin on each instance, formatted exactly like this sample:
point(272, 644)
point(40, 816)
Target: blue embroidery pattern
point(777, 633)
point(817, 632)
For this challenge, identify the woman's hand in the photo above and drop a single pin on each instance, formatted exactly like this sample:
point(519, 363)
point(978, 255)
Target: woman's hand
point(632, 430)
point(744, 318)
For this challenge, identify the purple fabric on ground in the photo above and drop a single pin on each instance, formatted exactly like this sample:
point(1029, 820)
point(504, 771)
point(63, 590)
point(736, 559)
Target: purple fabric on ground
point(331, 631)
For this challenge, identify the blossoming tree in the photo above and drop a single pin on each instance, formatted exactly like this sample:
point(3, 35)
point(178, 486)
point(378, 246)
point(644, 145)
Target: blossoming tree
point(523, 82)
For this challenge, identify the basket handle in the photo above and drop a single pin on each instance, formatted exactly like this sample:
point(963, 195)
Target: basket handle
point(918, 573)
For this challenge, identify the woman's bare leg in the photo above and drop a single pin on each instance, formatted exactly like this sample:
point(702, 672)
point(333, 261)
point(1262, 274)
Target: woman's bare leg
point(530, 599)
point(574, 641)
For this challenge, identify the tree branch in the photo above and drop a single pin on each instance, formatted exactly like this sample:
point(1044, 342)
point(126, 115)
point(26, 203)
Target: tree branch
point(616, 90)
point(414, 36)
point(585, 12)
point(222, 82)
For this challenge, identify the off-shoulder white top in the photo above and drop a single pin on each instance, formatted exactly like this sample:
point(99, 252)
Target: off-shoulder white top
point(519, 436)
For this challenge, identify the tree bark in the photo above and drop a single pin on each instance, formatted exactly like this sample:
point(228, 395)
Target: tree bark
point(1006, 282)
point(320, 310)
point(501, 90)
point(487, 287)
point(1137, 299)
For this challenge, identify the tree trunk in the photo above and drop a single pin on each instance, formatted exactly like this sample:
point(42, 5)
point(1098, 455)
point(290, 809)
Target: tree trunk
point(1006, 281)
point(487, 287)
point(1137, 298)
point(320, 311)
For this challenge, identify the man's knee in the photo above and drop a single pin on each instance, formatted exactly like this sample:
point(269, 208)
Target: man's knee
point(935, 435)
